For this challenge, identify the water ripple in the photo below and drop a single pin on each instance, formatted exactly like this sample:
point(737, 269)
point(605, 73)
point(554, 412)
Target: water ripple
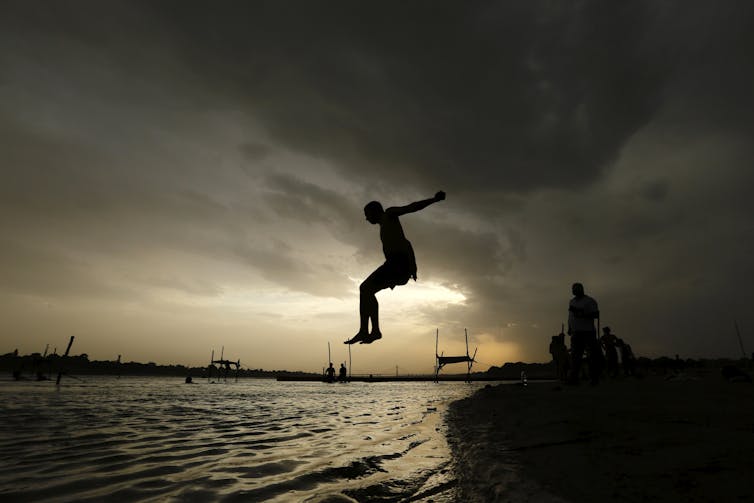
point(136, 439)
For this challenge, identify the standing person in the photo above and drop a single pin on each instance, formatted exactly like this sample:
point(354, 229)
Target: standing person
point(582, 311)
point(627, 357)
point(343, 377)
point(608, 341)
point(559, 353)
point(399, 266)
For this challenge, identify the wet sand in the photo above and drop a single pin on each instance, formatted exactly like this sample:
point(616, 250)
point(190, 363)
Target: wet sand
point(652, 439)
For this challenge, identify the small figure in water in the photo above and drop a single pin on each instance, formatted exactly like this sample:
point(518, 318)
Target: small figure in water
point(343, 377)
point(330, 373)
point(399, 266)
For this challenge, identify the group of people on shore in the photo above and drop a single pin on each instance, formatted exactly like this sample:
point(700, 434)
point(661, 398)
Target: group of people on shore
point(600, 353)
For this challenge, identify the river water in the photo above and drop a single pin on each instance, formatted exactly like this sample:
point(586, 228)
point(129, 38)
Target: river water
point(158, 439)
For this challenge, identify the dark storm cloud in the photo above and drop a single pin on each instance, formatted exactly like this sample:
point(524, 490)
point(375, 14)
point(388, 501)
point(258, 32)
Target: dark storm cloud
point(481, 97)
point(33, 270)
point(253, 151)
point(655, 190)
point(478, 257)
point(521, 95)
point(291, 197)
point(279, 265)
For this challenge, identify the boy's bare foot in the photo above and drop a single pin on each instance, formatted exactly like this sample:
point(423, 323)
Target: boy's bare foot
point(360, 337)
point(371, 338)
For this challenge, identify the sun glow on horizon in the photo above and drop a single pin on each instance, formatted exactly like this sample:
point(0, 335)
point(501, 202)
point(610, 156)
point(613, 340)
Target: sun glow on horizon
point(430, 292)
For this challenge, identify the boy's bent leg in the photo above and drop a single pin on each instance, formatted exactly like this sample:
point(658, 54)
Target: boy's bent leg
point(368, 306)
point(365, 310)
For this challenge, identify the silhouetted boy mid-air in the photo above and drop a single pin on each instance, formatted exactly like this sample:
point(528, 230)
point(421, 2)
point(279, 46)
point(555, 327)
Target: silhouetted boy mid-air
point(399, 266)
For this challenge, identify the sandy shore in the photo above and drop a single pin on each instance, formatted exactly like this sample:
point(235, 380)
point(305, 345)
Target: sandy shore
point(652, 439)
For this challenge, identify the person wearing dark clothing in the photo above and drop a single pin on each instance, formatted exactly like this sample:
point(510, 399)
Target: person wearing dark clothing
point(343, 377)
point(559, 353)
point(608, 341)
point(330, 373)
point(627, 357)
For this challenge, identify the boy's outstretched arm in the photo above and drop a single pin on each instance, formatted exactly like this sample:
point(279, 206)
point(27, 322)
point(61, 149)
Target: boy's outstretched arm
point(418, 205)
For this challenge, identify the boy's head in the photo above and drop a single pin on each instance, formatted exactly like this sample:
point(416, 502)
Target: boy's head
point(373, 211)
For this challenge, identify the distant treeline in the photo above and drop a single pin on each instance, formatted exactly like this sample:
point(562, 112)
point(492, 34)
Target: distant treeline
point(36, 365)
point(661, 366)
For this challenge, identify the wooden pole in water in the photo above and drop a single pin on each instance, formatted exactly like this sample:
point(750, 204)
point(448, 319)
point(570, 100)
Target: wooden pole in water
point(437, 360)
point(437, 339)
point(220, 370)
point(468, 369)
point(740, 341)
point(60, 372)
point(49, 362)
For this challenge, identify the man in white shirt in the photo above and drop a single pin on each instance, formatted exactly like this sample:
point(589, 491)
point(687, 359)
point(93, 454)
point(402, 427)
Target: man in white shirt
point(582, 311)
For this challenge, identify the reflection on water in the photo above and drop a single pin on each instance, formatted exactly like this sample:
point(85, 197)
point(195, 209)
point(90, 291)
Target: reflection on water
point(134, 439)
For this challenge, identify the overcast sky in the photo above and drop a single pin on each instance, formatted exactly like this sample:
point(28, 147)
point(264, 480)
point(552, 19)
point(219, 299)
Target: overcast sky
point(180, 176)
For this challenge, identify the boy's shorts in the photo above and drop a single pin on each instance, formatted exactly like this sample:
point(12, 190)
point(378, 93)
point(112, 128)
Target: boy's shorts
point(396, 270)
